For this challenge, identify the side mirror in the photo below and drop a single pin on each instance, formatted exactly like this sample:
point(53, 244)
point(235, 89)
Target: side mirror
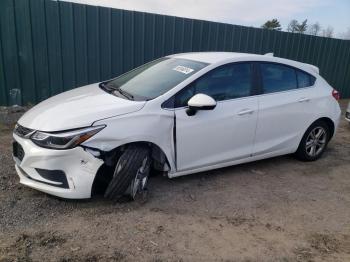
point(200, 102)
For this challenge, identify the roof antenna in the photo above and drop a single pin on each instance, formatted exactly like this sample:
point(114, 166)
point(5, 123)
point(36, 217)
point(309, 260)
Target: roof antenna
point(269, 54)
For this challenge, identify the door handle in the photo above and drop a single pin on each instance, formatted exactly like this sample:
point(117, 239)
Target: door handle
point(304, 99)
point(245, 112)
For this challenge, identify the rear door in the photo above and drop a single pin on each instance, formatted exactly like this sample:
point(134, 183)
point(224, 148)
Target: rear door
point(284, 108)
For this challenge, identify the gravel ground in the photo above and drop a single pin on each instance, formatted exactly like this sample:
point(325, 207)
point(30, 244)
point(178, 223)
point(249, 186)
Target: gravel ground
point(278, 209)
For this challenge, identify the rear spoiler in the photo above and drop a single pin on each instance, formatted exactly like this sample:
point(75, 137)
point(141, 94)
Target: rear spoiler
point(313, 68)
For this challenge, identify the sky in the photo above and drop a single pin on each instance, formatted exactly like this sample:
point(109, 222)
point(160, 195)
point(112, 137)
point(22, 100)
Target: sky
point(334, 13)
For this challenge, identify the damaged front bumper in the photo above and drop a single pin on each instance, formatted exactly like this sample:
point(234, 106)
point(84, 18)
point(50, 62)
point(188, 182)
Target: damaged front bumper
point(64, 173)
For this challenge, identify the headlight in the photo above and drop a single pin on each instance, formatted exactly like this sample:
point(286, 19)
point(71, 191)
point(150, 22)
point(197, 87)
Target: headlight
point(65, 139)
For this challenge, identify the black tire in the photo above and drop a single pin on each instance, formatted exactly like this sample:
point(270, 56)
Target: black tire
point(125, 171)
point(303, 153)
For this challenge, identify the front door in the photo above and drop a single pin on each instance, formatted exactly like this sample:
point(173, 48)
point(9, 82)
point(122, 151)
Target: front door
point(225, 133)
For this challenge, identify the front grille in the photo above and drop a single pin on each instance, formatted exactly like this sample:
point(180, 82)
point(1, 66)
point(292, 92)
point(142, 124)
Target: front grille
point(22, 131)
point(18, 150)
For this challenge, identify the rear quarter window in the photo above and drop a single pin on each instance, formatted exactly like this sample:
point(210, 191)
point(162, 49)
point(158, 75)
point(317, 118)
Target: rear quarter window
point(305, 79)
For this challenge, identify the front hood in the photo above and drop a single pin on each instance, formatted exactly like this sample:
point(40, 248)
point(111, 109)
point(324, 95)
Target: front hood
point(77, 108)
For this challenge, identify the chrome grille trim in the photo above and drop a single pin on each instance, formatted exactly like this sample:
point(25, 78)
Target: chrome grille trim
point(22, 131)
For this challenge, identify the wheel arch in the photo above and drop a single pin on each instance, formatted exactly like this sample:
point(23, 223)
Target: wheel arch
point(329, 123)
point(157, 153)
point(299, 153)
point(326, 120)
point(105, 172)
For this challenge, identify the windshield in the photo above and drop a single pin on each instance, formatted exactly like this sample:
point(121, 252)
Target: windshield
point(152, 79)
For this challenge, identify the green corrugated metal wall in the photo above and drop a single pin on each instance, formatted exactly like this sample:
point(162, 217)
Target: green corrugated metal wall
point(47, 47)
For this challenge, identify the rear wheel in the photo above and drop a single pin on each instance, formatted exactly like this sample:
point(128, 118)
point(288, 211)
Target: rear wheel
point(314, 142)
point(130, 174)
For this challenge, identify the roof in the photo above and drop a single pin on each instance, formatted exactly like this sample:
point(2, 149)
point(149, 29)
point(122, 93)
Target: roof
point(217, 57)
point(212, 57)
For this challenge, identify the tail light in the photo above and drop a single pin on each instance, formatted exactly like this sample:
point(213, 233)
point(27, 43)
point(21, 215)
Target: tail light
point(336, 94)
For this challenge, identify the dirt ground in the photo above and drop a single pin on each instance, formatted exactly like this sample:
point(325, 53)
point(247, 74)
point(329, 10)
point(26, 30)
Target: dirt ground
point(278, 209)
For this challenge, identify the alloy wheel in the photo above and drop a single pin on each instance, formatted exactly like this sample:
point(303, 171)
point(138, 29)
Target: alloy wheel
point(316, 141)
point(140, 181)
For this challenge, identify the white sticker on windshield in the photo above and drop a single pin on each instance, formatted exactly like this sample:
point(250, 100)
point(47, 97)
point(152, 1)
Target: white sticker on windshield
point(183, 69)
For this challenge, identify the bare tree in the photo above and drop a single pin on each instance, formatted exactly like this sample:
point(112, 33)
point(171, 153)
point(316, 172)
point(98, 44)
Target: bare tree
point(301, 28)
point(295, 27)
point(292, 26)
point(314, 29)
point(328, 32)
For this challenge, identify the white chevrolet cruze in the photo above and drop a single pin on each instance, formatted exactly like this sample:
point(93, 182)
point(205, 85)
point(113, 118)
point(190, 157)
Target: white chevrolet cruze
point(179, 114)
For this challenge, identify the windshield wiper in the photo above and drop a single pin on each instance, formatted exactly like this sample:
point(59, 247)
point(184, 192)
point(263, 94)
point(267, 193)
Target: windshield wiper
point(106, 87)
point(124, 93)
point(113, 88)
